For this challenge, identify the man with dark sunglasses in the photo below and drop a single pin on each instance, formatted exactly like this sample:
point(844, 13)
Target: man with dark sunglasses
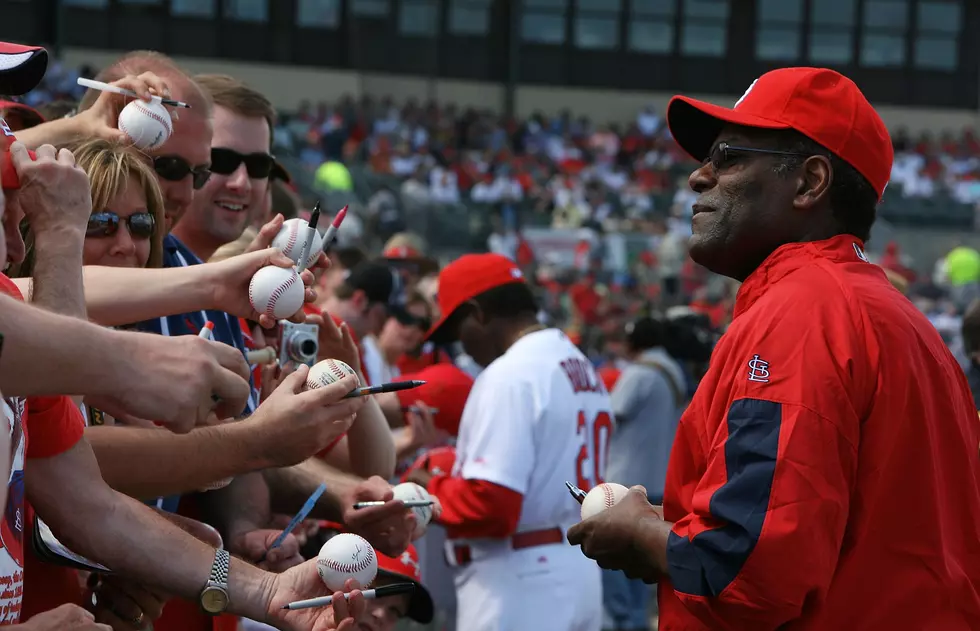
point(828, 460)
point(235, 194)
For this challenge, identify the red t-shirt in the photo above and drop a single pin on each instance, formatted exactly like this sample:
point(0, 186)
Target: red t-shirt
point(56, 425)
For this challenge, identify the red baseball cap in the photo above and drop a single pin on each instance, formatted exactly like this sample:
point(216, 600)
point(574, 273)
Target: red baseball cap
point(21, 68)
point(446, 389)
point(466, 278)
point(406, 566)
point(823, 105)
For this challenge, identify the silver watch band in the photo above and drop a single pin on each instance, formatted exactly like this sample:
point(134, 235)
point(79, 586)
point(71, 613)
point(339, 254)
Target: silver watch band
point(219, 569)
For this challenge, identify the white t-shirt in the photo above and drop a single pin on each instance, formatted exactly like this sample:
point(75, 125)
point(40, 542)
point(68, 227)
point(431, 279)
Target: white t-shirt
point(378, 370)
point(537, 416)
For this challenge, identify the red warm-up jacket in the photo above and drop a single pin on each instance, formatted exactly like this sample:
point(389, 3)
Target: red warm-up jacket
point(826, 474)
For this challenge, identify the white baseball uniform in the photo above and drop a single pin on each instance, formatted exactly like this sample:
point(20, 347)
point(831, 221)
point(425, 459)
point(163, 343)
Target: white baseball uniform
point(536, 417)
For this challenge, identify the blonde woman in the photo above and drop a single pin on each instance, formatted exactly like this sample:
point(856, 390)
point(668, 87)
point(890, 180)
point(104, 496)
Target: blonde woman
point(126, 228)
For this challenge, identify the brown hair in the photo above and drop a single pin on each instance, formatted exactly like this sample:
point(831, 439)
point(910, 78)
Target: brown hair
point(139, 61)
point(237, 96)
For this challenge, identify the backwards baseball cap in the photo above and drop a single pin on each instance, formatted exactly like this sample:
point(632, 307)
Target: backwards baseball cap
point(21, 68)
point(446, 389)
point(378, 282)
point(466, 278)
point(406, 566)
point(823, 105)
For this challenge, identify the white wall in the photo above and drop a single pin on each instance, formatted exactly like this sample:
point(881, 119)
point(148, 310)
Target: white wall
point(287, 86)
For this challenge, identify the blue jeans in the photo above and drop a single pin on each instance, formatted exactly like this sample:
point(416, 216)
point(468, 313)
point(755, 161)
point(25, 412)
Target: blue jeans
point(626, 602)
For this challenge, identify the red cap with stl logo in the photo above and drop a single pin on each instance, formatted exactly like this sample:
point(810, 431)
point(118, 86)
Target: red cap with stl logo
point(823, 105)
point(8, 174)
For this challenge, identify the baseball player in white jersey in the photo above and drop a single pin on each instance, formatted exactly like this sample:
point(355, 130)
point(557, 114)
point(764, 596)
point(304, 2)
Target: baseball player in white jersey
point(538, 415)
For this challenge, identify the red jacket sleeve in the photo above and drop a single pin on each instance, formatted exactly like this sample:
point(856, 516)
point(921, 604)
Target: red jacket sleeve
point(54, 424)
point(780, 430)
point(474, 509)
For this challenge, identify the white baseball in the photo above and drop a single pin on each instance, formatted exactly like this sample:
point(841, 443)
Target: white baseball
point(292, 238)
point(602, 497)
point(148, 125)
point(346, 556)
point(423, 514)
point(327, 372)
point(276, 291)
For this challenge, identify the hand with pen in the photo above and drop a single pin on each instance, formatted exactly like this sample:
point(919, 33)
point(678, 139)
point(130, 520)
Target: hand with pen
point(102, 119)
point(256, 547)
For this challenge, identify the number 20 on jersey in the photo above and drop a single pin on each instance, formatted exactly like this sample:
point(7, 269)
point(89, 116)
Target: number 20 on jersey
point(590, 465)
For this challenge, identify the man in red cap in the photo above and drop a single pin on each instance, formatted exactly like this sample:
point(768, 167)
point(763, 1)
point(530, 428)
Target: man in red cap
point(538, 415)
point(810, 481)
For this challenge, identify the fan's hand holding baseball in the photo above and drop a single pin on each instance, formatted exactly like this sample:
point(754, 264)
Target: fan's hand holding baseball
point(302, 582)
point(230, 281)
point(102, 119)
point(54, 193)
point(254, 546)
point(295, 422)
point(335, 342)
point(622, 537)
point(388, 528)
point(180, 380)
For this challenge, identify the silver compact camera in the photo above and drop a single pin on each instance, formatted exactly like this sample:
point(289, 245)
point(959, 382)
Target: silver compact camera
point(298, 343)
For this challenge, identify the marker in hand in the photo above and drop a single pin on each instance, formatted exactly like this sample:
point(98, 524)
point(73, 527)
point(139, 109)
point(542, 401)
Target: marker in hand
point(394, 386)
point(310, 238)
point(331, 233)
point(106, 87)
point(207, 331)
point(369, 594)
point(576, 492)
point(407, 503)
point(300, 516)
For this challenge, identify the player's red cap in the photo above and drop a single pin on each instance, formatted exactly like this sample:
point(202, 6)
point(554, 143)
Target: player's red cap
point(406, 566)
point(823, 105)
point(466, 278)
point(446, 389)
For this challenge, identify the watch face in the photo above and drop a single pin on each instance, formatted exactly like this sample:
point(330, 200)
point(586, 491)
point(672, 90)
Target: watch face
point(214, 600)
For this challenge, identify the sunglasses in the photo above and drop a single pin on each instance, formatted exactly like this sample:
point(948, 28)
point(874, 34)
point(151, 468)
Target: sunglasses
point(106, 224)
point(723, 154)
point(226, 161)
point(405, 318)
point(175, 168)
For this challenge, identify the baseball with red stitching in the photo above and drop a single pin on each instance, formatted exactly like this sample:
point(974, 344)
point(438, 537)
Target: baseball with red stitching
point(423, 514)
point(276, 291)
point(292, 238)
point(601, 497)
point(327, 372)
point(148, 125)
point(346, 556)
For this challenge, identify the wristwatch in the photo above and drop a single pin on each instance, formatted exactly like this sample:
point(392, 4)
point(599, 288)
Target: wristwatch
point(214, 596)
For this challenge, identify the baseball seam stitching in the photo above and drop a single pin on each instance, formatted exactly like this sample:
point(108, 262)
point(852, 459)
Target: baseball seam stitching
point(143, 108)
point(608, 495)
point(349, 567)
point(291, 238)
point(277, 293)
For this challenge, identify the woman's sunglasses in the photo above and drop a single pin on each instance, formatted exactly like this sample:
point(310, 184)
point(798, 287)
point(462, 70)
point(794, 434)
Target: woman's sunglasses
point(106, 224)
point(226, 161)
point(175, 168)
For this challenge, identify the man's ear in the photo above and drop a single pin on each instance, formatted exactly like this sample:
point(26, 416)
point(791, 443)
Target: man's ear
point(359, 299)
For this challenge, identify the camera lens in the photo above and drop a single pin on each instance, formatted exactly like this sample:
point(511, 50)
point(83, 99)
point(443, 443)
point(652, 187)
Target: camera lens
point(308, 347)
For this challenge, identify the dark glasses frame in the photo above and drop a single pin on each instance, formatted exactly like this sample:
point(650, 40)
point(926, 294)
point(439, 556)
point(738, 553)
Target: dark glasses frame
point(719, 154)
point(175, 169)
point(106, 223)
point(225, 161)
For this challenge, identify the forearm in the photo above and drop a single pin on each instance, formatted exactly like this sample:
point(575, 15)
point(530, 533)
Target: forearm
point(130, 538)
point(116, 295)
point(240, 507)
point(391, 408)
point(49, 354)
point(290, 487)
point(370, 445)
point(58, 132)
point(57, 279)
point(139, 462)
point(404, 443)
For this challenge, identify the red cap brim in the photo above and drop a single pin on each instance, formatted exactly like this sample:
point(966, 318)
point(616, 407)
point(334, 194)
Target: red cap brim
point(695, 124)
point(21, 68)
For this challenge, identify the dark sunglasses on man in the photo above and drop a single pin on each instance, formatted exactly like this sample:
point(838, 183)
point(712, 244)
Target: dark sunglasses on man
point(175, 168)
point(407, 318)
point(106, 224)
point(226, 161)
